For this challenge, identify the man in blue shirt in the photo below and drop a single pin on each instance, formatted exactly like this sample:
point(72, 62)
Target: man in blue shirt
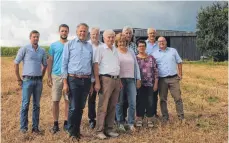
point(34, 67)
point(168, 60)
point(77, 76)
point(151, 47)
point(54, 76)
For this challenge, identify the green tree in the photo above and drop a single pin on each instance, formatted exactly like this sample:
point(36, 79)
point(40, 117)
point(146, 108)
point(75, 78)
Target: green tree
point(212, 31)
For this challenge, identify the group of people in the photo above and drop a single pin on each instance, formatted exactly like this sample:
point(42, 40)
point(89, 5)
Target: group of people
point(124, 76)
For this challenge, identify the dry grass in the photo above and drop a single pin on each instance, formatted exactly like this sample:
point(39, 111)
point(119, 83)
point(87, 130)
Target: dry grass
point(204, 92)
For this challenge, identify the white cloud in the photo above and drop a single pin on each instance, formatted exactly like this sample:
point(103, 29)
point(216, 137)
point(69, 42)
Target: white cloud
point(20, 17)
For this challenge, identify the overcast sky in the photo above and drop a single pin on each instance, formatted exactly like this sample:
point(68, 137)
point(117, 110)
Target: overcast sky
point(18, 18)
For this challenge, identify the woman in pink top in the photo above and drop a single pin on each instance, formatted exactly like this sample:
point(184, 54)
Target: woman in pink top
point(129, 73)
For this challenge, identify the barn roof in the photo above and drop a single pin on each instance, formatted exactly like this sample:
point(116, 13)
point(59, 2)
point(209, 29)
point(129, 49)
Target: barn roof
point(139, 32)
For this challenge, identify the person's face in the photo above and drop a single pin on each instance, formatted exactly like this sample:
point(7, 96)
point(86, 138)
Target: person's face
point(122, 43)
point(63, 33)
point(82, 32)
point(34, 38)
point(94, 35)
point(152, 35)
point(109, 39)
point(141, 48)
point(128, 34)
point(162, 43)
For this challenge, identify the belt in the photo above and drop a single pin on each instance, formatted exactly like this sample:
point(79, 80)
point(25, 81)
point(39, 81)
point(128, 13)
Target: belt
point(170, 76)
point(32, 77)
point(79, 76)
point(110, 76)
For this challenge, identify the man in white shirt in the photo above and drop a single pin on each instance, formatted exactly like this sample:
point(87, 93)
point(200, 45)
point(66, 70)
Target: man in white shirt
point(94, 41)
point(106, 70)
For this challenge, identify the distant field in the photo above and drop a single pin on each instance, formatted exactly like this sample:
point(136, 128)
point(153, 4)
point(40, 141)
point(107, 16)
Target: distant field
point(12, 51)
point(204, 92)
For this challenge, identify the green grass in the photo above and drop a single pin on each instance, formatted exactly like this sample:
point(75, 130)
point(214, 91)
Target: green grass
point(12, 51)
point(210, 63)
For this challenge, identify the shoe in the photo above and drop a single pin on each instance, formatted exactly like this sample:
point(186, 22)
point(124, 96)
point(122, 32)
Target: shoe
point(132, 128)
point(112, 134)
point(183, 122)
point(36, 130)
point(157, 116)
point(65, 127)
point(150, 122)
point(74, 139)
point(121, 128)
point(92, 124)
point(139, 122)
point(23, 131)
point(55, 129)
point(164, 122)
point(101, 136)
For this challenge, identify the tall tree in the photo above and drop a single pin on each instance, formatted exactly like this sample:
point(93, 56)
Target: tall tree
point(212, 30)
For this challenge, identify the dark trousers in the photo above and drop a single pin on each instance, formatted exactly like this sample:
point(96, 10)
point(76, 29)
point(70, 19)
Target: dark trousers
point(155, 100)
point(78, 92)
point(92, 107)
point(145, 101)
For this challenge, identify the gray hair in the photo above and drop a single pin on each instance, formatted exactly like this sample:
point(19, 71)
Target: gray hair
point(95, 28)
point(108, 32)
point(150, 29)
point(127, 28)
point(82, 24)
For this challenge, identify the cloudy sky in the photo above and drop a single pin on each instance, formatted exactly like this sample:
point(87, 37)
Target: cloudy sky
point(18, 18)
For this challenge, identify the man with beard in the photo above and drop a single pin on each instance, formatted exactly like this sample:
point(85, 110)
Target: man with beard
point(54, 76)
point(77, 76)
point(33, 57)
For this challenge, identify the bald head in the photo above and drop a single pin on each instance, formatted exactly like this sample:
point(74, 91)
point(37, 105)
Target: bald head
point(151, 35)
point(162, 43)
point(108, 36)
point(94, 34)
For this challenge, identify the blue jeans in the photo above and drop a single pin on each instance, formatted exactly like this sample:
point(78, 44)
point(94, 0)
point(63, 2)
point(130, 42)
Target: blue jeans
point(30, 87)
point(129, 87)
point(78, 92)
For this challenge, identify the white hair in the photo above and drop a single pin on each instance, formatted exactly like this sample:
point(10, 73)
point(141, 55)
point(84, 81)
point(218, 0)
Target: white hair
point(127, 28)
point(150, 29)
point(108, 32)
point(95, 28)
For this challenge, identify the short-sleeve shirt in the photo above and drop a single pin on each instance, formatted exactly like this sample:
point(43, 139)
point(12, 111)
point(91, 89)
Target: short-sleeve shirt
point(32, 60)
point(167, 61)
point(108, 60)
point(56, 50)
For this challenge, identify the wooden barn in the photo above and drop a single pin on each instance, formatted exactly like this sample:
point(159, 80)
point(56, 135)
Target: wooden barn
point(184, 42)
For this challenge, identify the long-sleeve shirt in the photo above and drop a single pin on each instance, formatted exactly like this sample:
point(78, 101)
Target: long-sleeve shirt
point(148, 69)
point(77, 58)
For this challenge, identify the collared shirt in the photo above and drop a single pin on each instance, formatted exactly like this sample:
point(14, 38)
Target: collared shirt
point(133, 46)
point(32, 60)
point(94, 47)
point(167, 61)
point(149, 70)
point(150, 48)
point(77, 58)
point(108, 60)
point(56, 50)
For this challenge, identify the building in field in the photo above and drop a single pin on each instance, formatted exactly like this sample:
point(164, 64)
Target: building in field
point(183, 41)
